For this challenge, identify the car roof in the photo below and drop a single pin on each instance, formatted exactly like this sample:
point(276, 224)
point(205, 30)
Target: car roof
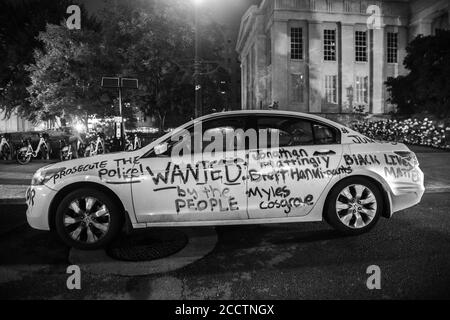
point(271, 113)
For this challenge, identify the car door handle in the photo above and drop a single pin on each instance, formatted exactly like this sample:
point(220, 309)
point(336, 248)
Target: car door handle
point(324, 153)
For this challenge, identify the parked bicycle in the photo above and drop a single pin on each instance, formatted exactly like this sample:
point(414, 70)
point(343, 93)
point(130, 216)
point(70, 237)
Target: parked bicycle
point(96, 146)
point(66, 151)
point(5, 148)
point(26, 153)
point(132, 145)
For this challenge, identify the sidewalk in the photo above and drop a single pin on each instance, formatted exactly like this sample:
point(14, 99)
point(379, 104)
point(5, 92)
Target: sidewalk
point(15, 179)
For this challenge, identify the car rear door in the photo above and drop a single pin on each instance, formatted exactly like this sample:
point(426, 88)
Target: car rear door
point(295, 160)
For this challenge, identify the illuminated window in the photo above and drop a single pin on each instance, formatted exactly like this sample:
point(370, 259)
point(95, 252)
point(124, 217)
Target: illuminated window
point(361, 46)
point(362, 90)
point(296, 43)
point(329, 45)
point(331, 89)
point(392, 47)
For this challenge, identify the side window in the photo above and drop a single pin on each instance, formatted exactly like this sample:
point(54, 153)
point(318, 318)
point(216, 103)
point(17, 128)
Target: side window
point(290, 132)
point(229, 132)
point(283, 132)
point(324, 135)
point(233, 134)
point(301, 133)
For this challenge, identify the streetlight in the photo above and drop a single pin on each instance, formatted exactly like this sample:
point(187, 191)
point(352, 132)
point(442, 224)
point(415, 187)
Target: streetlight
point(199, 63)
point(120, 84)
point(198, 86)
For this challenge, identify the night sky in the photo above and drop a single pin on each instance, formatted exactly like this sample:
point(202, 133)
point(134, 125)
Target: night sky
point(227, 12)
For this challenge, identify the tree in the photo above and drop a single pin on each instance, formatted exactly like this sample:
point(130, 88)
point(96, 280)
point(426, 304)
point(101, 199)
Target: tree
point(145, 41)
point(427, 87)
point(151, 40)
point(65, 79)
point(20, 24)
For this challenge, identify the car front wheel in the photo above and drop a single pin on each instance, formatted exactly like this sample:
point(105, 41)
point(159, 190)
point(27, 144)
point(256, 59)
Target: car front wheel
point(88, 219)
point(354, 206)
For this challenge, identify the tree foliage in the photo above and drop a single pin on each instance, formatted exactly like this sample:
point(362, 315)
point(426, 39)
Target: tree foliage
point(20, 24)
point(427, 87)
point(152, 40)
point(65, 76)
point(146, 41)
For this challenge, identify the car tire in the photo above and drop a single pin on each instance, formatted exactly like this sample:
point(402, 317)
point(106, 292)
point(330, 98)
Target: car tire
point(354, 206)
point(88, 219)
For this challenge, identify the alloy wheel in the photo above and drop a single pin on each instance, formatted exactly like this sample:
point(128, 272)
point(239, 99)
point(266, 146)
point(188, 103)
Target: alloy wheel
point(87, 220)
point(356, 206)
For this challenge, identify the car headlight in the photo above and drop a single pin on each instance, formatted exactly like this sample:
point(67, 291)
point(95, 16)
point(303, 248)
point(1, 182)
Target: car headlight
point(43, 176)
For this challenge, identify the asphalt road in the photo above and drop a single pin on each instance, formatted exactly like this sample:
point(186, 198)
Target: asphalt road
point(294, 261)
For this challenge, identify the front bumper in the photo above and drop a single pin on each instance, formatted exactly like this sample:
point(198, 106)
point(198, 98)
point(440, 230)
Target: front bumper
point(38, 200)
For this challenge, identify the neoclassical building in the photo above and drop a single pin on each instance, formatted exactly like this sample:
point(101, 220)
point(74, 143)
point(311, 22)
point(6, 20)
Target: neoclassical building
point(329, 56)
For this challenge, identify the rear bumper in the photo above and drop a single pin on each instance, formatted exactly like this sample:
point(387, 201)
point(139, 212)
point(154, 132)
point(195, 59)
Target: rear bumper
point(406, 194)
point(38, 200)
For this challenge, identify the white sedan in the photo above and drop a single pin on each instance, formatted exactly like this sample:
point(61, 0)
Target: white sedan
point(244, 167)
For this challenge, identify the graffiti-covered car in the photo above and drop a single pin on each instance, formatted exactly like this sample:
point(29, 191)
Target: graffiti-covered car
point(243, 167)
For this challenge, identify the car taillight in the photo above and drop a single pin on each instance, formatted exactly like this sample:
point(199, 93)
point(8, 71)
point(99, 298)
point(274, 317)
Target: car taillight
point(409, 157)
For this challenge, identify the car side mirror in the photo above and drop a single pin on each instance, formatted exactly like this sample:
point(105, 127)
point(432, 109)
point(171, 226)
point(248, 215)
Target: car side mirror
point(161, 149)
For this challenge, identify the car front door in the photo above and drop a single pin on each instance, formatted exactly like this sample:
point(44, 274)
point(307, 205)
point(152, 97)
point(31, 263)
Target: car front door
point(295, 161)
point(193, 181)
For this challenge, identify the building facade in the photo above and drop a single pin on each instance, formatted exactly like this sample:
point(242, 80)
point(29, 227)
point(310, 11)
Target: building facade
point(14, 123)
point(329, 56)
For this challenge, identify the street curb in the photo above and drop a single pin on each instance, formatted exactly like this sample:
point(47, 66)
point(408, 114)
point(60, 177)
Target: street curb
point(437, 190)
point(13, 201)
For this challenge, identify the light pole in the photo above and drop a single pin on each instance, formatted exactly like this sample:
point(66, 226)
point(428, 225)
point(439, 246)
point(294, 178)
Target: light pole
point(199, 63)
point(197, 68)
point(120, 84)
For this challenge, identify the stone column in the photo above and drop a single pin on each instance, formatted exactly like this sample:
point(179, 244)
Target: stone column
point(260, 72)
point(244, 93)
point(425, 27)
point(280, 74)
point(378, 67)
point(402, 44)
point(347, 67)
point(315, 56)
point(242, 85)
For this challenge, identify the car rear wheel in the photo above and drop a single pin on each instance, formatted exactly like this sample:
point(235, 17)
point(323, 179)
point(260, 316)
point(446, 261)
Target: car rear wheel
point(354, 206)
point(88, 219)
